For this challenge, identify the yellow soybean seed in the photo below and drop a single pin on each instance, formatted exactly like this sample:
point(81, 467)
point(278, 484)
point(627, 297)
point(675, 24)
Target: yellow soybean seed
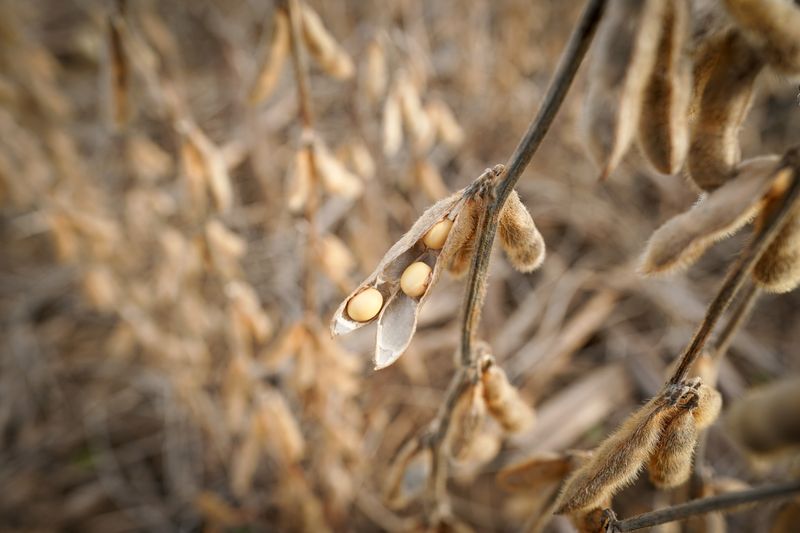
point(365, 305)
point(415, 279)
point(437, 235)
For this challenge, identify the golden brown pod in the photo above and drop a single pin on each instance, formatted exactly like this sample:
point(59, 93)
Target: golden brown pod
point(624, 58)
point(778, 269)
point(617, 460)
point(519, 238)
point(683, 239)
point(323, 46)
point(269, 70)
point(671, 462)
point(773, 26)
point(726, 69)
point(503, 399)
point(664, 122)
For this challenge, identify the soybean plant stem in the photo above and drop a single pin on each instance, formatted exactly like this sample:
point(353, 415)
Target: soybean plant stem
point(704, 505)
point(565, 72)
point(293, 12)
point(740, 270)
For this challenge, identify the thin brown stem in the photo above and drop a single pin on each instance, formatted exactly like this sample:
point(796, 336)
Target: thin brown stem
point(705, 505)
point(567, 67)
point(737, 319)
point(741, 269)
point(305, 111)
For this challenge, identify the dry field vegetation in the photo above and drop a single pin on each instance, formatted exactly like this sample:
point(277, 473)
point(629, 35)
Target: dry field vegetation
point(193, 196)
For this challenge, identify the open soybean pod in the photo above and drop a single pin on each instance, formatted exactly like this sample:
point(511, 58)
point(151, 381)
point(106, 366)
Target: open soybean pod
point(725, 72)
point(773, 27)
point(664, 122)
point(404, 277)
point(621, 67)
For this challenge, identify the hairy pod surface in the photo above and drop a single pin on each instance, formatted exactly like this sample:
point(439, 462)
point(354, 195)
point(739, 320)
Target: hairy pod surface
point(778, 269)
point(671, 462)
point(519, 238)
point(503, 400)
point(684, 238)
point(616, 462)
point(773, 26)
point(725, 72)
point(624, 58)
point(664, 122)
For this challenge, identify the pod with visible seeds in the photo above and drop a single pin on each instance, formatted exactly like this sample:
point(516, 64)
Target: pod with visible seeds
point(397, 320)
point(773, 27)
point(683, 239)
point(323, 47)
point(503, 399)
point(437, 235)
point(625, 56)
point(519, 237)
point(617, 460)
point(269, 70)
point(725, 73)
point(365, 305)
point(663, 124)
point(671, 462)
point(415, 279)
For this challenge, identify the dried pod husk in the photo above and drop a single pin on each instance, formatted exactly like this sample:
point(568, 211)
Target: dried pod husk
point(323, 46)
point(463, 238)
point(519, 238)
point(625, 56)
point(269, 70)
point(664, 121)
point(541, 471)
point(447, 127)
point(376, 76)
point(467, 418)
point(417, 122)
point(778, 269)
point(392, 125)
point(504, 401)
point(683, 239)
point(671, 462)
point(335, 177)
point(300, 179)
point(617, 460)
point(773, 27)
point(397, 321)
point(766, 421)
point(408, 474)
point(209, 163)
point(725, 72)
point(709, 404)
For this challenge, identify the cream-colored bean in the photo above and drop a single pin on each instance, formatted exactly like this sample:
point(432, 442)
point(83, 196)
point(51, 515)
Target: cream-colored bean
point(365, 305)
point(415, 279)
point(437, 235)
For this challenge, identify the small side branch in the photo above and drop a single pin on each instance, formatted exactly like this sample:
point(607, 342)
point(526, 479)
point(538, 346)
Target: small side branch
point(704, 505)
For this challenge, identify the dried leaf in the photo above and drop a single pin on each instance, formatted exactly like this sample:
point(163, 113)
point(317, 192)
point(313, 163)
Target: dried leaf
point(269, 70)
point(725, 72)
point(625, 56)
point(684, 238)
point(324, 48)
point(663, 125)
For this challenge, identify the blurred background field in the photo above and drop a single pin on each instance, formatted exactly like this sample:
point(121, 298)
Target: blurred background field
point(160, 366)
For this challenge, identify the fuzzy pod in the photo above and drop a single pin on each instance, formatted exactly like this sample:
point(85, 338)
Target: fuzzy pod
point(464, 239)
point(773, 27)
point(616, 462)
point(503, 400)
point(725, 72)
point(625, 56)
point(766, 420)
point(269, 70)
point(778, 269)
point(519, 238)
point(467, 418)
point(671, 462)
point(709, 405)
point(664, 122)
point(683, 239)
point(323, 46)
